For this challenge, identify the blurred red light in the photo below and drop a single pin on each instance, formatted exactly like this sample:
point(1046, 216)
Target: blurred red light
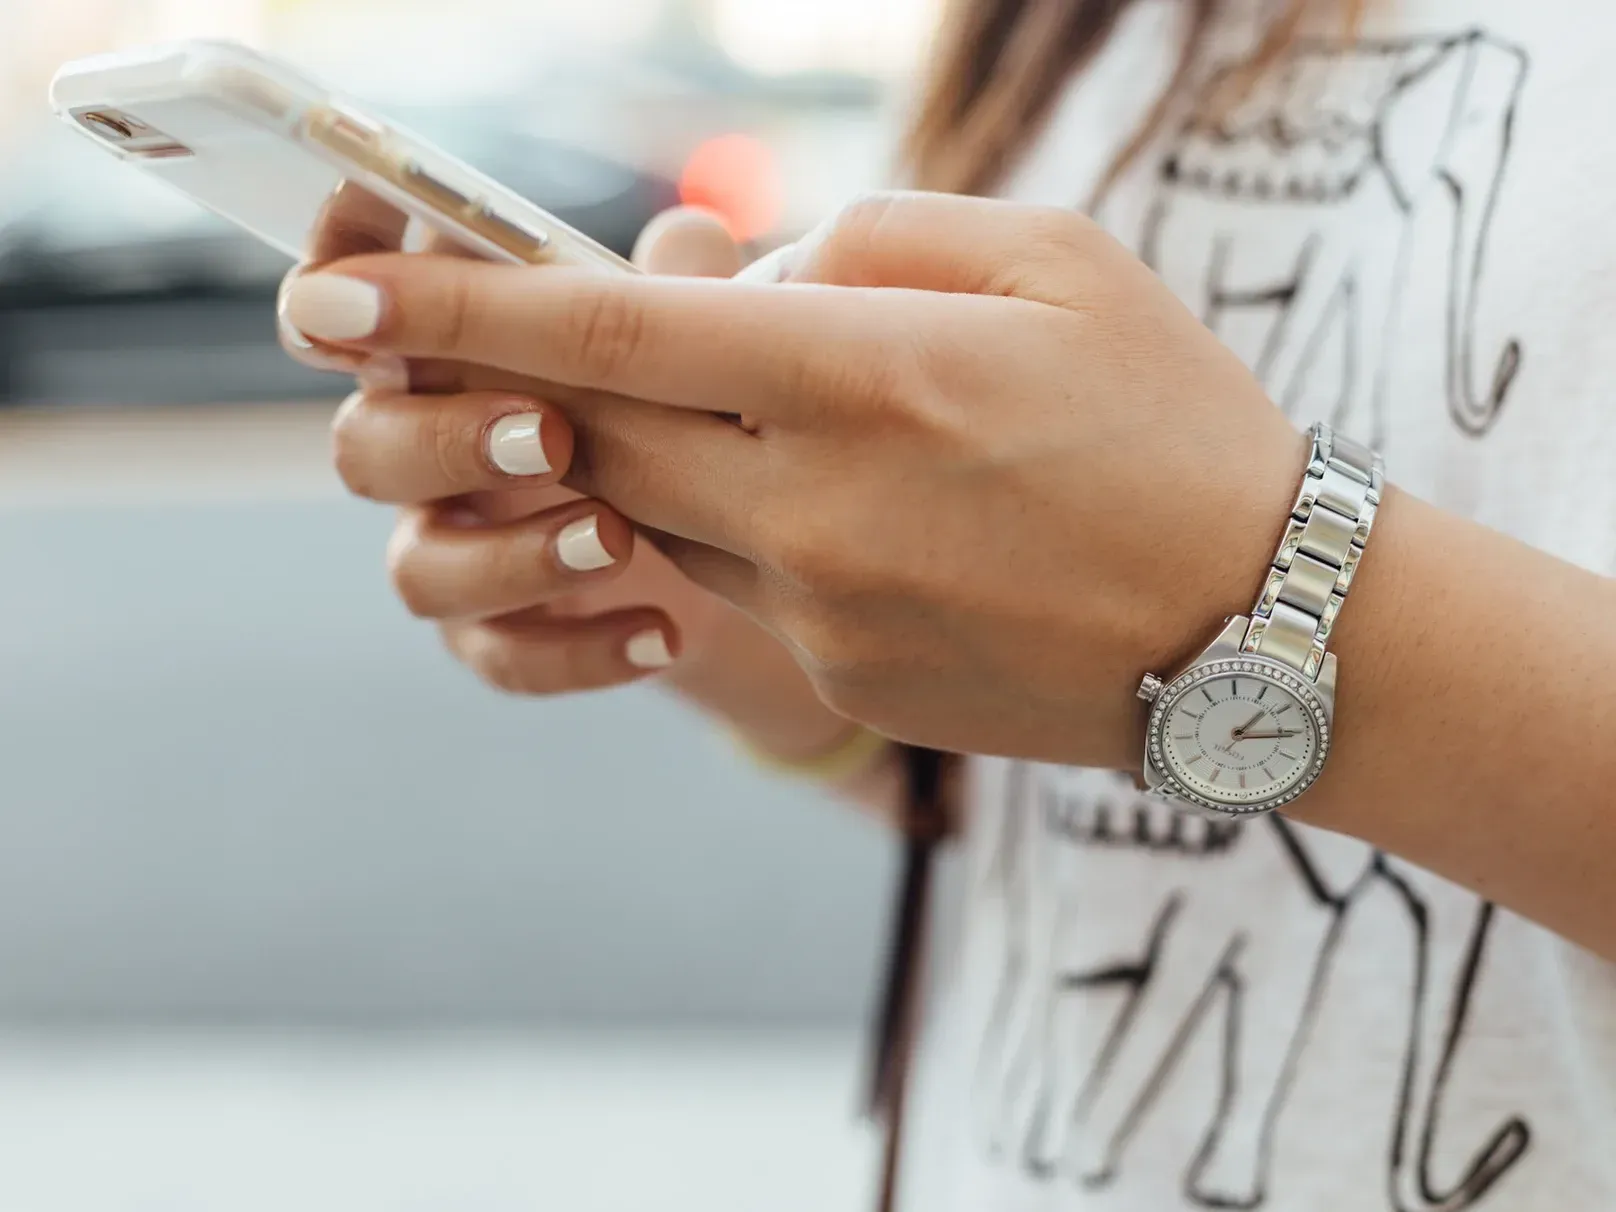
point(735, 177)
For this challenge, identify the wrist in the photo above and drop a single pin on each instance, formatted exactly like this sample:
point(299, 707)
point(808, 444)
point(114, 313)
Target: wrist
point(1245, 727)
point(744, 679)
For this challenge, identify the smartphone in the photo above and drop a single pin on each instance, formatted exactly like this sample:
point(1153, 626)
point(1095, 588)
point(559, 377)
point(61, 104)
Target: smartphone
point(304, 169)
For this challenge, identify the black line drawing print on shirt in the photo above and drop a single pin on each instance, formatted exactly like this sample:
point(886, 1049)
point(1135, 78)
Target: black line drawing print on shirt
point(1087, 1026)
point(1313, 176)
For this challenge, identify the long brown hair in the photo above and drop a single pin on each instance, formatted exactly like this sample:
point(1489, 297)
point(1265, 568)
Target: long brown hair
point(998, 67)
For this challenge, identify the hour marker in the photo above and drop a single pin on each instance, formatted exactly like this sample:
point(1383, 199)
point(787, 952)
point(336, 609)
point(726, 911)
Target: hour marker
point(1208, 695)
point(1261, 692)
point(1216, 770)
point(1268, 774)
point(1284, 709)
point(1199, 757)
point(1295, 757)
point(1193, 716)
point(1188, 736)
point(1234, 688)
point(1242, 780)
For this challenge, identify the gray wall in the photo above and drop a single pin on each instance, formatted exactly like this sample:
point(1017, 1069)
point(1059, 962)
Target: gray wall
point(238, 782)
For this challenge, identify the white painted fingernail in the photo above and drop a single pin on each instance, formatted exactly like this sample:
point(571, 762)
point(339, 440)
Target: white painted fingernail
point(516, 447)
point(290, 335)
point(648, 650)
point(580, 548)
point(330, 307)
point(385, 375)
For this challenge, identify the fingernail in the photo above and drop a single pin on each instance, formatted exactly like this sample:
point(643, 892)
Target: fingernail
point(293, 338)
point(648, 650)
point(385, 374)
point(312, 356)
point(330, 307)
point(580, 549)
point(516, 447)
point(351, 401)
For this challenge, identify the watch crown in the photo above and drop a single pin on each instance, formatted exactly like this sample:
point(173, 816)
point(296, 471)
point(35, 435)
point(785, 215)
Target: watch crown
point(1150, 689)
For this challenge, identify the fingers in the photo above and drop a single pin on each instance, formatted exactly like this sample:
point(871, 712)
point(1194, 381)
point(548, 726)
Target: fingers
point(688, 474)
point(350, 222)
point(690, 243)
point(446, 567)
point(354, 221)
point(953, 244)
point(509, 504)
point(769, 351)
point(532, 653)
point(721, 573)
point(300, 349)
point(407, 450)
point(676, 471)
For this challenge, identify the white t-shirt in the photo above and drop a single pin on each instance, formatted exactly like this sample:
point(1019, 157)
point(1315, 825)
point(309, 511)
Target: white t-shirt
point(1413, 236)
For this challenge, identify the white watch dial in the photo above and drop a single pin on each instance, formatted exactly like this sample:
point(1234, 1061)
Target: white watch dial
point(1240, 733)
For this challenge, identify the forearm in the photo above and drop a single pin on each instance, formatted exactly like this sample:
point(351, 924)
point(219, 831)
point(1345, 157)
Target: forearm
point(1476, 719)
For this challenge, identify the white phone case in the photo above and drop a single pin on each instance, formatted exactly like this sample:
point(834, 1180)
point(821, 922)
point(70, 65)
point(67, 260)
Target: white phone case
point(256, 142)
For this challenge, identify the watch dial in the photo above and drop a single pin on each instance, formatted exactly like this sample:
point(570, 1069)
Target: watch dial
point(1243, 734)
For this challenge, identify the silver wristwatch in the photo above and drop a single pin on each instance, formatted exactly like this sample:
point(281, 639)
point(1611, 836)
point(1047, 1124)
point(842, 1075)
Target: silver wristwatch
point(1245, 728)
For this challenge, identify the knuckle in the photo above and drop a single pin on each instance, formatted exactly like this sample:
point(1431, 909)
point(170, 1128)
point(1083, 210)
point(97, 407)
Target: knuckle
point(858, 221)
point(350, 448)
point(1059, 233)
point(456, 306)
point(412, 591)
point(843, 252)
point(608, 332)
point(452, 448)
point(898, 384)
point(404, 570)
point(878, 390)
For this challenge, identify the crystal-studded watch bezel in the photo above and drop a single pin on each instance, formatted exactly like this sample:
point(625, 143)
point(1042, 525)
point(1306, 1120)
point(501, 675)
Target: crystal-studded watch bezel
point(1282, 676)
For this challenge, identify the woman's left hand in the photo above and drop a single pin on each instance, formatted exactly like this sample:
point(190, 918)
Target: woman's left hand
point(994, 473)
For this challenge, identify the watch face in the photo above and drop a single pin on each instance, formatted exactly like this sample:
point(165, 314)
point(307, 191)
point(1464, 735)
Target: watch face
point(1239, 735)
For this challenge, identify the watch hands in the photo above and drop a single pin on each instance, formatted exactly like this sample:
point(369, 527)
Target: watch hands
point(1281, 735)
point(1240, 732)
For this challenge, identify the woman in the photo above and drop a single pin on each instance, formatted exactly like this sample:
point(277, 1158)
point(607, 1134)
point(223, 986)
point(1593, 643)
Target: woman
point(993, 474)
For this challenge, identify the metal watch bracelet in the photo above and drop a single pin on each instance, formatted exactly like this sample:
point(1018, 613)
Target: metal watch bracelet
point(1319, 553)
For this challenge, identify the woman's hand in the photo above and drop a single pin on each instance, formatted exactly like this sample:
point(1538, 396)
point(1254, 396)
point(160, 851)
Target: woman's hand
point(996, 473)
point(536, 588)
point(513, 565)
point(980, 509)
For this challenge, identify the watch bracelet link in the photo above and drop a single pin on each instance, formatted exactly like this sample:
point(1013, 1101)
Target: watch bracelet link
point(1318, 556)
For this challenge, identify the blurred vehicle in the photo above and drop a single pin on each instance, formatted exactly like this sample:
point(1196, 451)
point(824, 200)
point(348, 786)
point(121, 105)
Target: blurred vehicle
point(115, 290)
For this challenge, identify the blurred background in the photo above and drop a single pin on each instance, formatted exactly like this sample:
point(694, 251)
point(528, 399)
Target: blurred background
point(292, 912)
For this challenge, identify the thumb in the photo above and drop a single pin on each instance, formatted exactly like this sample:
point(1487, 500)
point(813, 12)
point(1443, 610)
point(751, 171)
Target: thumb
point(688, 243)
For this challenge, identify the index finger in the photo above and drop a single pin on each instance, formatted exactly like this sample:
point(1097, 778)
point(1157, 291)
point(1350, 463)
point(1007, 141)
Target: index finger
point(770, 351)
point(351, 221)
